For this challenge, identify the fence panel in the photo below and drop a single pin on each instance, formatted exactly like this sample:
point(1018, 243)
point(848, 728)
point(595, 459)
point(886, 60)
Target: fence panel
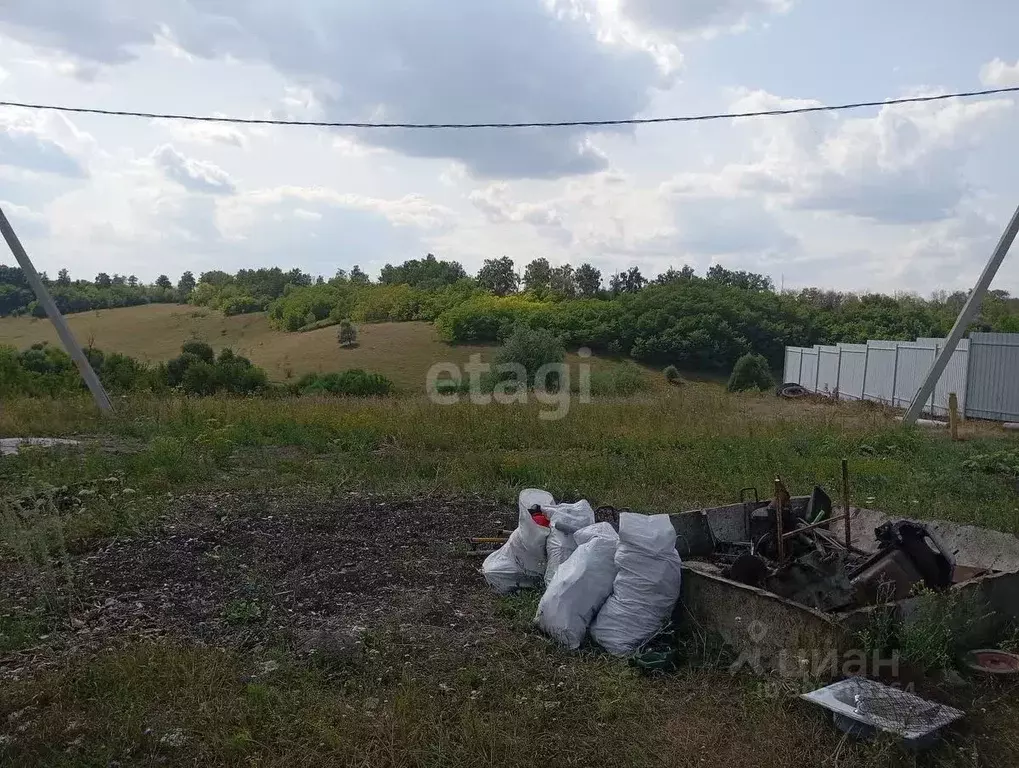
point(793, 356)
point(953, 379)
point(852, 370)
point(827, 369)
point(915, 360)
point(993, 382)
point(808, 369)
point(879, 384)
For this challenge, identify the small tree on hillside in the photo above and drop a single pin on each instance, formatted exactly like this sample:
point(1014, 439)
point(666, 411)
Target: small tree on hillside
point(347, 334)
point(164, 282)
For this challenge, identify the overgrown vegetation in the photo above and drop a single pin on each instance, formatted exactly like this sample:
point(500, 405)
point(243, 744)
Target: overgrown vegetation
point(750, 373)
point(44, 370)
point(353, 382)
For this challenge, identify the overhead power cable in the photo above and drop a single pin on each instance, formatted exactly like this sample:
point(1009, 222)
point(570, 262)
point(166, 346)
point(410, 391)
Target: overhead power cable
point(547, 124)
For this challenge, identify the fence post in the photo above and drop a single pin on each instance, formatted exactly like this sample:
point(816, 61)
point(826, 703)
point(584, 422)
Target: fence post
point(866, 359)
point(895, 372)
point(817, 368)
point(838, 374)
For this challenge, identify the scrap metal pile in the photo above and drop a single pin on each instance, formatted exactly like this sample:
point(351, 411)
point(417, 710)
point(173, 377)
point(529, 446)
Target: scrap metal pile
point(794, 552)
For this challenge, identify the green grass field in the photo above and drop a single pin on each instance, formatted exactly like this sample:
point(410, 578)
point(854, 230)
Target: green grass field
point(468, 683)
point(184, 590)
point(402, 351)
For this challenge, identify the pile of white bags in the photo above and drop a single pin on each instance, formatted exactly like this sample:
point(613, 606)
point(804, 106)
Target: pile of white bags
point(520, 562)
point(646, 586)
point(566, 519)
point(580, 586)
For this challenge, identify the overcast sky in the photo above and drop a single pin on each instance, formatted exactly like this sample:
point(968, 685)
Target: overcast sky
point(901, 198)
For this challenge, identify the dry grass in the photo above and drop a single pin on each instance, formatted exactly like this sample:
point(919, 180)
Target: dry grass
point(402, 351)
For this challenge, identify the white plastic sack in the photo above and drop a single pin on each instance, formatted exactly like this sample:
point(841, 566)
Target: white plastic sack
point(566, 519)
point(646, 587)
point(580, 586)
point(520, 562)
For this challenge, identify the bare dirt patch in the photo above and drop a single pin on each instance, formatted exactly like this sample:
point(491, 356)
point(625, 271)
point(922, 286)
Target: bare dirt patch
point(250, 569)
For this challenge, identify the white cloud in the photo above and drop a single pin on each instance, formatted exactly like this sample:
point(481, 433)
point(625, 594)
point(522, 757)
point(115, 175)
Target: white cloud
point(409, 210)
point(193, 175)
point(704, 17)
point(1000, 74)
point(903, 165)
point(208, 133)
point(44, 143)
point(497, 60)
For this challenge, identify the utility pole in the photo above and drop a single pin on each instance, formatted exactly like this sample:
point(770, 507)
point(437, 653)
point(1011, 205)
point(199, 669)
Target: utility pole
point(966, 315)
point(63, 330)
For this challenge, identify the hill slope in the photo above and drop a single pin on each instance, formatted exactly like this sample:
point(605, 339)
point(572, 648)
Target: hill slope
point(154, 332)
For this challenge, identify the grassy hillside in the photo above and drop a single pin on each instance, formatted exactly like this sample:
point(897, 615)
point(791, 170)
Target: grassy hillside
point(402, 351)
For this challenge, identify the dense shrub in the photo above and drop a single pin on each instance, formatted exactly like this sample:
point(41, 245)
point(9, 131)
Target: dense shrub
point(197, 371)
point(531, 348)
point(199, 349)
point(750, 372)
point(354, 382)
point(672, 374)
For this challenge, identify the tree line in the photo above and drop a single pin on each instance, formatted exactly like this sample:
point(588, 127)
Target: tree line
point(675, 318)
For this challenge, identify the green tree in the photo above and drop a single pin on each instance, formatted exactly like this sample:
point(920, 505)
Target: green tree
point(163, 282)
point(538, 275)
point(358, 276)
point(428, 272)
point(588, 280)
point(63, 277)
point(748, 281)
point(499, 276)
point(103, 280)
point(347, 334)
point(563, 281)
point(674, 276)
point(629, 281)
point(185, 285)
point(132, 281)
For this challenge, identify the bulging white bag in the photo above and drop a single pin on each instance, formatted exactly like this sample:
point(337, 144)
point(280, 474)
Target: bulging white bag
point(520, 562)
point(646, 587)
point(580, 586)
point(566, 519)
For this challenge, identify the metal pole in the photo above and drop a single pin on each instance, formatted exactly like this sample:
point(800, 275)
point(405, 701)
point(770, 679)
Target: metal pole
point(63, 331)
point(969, 311)
point(845, 504)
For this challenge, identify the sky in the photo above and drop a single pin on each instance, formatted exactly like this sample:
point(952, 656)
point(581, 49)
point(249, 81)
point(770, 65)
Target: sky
point(898, 198)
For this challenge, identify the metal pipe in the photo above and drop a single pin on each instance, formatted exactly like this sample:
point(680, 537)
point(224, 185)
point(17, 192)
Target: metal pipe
point(779, 537)
point(845, 503)
point(812, 526)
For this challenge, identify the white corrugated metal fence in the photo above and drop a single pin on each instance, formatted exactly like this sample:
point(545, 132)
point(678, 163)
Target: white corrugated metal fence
point(983, 372)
